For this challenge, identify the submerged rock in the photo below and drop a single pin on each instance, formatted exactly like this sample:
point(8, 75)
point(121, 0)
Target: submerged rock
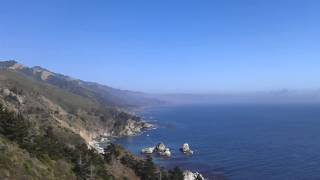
point(147, 125)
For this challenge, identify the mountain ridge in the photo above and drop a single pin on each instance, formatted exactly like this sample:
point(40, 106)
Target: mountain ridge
point(88, 109)
point(111, 96)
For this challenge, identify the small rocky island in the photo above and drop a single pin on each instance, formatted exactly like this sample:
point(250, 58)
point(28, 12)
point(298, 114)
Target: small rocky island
point(164, 151)
point(186, 149)
point(160, 149)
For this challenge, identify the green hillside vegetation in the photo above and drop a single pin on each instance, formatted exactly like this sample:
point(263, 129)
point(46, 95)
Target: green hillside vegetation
point(17, 163)
point(47, 149)
point(29, 153)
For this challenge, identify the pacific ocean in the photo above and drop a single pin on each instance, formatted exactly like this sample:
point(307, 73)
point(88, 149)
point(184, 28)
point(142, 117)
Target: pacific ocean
point(237, 141)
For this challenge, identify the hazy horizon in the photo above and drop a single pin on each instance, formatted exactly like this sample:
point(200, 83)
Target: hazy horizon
point(169, 46)
point(262, 93)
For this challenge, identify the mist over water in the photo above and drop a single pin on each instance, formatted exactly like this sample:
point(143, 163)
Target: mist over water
point(238, 141)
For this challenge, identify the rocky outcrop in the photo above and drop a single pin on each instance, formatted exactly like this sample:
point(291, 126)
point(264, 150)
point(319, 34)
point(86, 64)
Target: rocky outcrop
point(160, 149)
point(186, 149)
point(43, 73)
point(188, 175)
point(134, 127)
point(16, 66)
point(148, 150)
point(96, 145)
point(165, 153)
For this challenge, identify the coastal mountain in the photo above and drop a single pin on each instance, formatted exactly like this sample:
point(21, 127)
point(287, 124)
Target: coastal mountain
point(49, 122)
point(103, 94)
point(86, 108)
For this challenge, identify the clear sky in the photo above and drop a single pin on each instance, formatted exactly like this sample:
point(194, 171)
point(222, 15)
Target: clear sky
point(190, 46)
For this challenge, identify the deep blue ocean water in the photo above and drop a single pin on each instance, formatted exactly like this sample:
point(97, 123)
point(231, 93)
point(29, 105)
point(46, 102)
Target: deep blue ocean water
point(238, 141)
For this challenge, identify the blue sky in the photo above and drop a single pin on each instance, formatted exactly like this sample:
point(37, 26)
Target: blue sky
point(184, 46)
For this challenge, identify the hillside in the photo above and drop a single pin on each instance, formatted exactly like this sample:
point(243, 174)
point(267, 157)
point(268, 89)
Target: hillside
point(86, 108)
point(104, 94)
point(27, 152)
point(48, 121)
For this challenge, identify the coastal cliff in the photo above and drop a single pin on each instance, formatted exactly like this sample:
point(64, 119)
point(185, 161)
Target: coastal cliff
point(50, 121)
point(88, 109)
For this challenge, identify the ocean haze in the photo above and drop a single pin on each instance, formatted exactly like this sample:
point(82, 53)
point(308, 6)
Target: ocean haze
point(262, 97)
point(133, 98)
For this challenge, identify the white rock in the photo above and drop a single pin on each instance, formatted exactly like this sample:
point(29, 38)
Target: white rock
point(186, 149)
point(148, 150)
point(188, 175)
point(161, 147)
point(147, 125)
point(6, 92)
point(95, 145)
point(166, 153)
point(19, 99)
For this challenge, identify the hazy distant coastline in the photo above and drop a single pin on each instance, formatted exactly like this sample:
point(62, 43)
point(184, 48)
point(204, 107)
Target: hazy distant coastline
point(268, 97)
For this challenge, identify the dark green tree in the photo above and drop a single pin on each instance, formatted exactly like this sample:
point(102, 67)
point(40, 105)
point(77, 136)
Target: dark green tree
point(176, 174)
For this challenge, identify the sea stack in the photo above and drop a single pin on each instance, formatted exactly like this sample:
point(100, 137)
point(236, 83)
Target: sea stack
point(162, 150)
point(186, 149)
point(161, 147)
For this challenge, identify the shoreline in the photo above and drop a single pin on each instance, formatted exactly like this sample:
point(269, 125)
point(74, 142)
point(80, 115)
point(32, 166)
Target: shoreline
point(146, 124)
point(102, 142)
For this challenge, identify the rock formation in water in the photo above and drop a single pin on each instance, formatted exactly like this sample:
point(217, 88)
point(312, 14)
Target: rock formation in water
point(160, 149)
point(188, 175)
point(186, 149)
point(148, 150)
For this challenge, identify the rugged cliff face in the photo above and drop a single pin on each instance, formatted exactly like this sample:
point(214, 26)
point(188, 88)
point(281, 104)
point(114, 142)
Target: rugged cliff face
point(85, 108)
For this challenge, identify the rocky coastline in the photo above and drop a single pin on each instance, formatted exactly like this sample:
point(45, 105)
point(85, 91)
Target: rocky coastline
point(162, 150)
point(135, 128)
point(132, 128)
